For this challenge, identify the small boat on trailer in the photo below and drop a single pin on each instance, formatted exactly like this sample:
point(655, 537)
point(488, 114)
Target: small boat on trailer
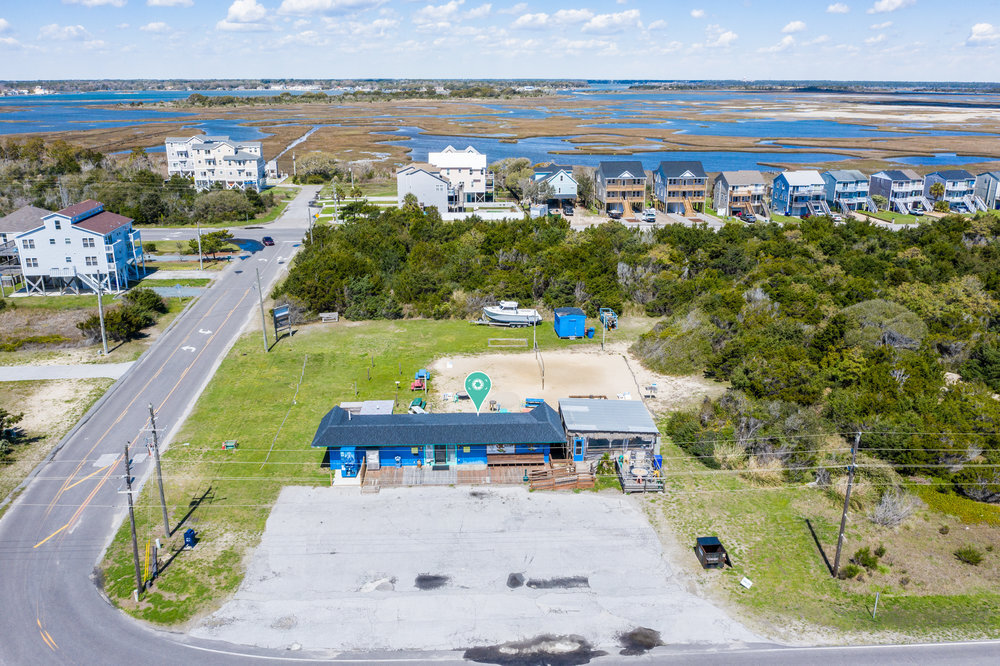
point(508, 314)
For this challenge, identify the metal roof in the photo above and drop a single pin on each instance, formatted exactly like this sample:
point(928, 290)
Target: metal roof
point(846, 175)
point(597, 415)
point(800, 178)
point(563, 312)
point(539, 426)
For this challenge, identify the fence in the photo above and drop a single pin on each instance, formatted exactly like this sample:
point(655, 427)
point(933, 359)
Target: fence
point(560, 478)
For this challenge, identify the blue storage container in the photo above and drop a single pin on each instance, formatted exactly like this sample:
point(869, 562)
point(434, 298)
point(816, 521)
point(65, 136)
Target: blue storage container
point(570, 322)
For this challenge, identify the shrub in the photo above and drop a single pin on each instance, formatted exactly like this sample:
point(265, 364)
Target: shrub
point(849, 571)
point(865, 558)
point(880, 551)
point(944, 529)
point(3, 304)
point(149, 247)
point(730, 455)
point(146, 299)
point(764, 473)
point(969, 555)
point(894, 508)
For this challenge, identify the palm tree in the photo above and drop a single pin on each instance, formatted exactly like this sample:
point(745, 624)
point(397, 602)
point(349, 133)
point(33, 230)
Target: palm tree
point(937, 190)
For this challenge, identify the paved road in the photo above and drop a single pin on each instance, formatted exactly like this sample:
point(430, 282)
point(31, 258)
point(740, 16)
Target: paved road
point(52, 536)
point(18, 373)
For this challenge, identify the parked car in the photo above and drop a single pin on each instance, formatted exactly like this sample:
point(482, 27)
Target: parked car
point(837, 217)
point(615, 214)
point(649, 215)
point(567, 210)
point(267, 240)
point(748, 217)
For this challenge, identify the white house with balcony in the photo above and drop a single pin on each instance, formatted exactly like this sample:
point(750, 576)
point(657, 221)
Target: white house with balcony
point(216, 159)
point(988, 189)
point(431, 189)
point(465, 169)
point(740, 192)
point(83, 239)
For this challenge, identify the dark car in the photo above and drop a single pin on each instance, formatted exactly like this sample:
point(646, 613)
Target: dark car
point(267, 240)
point(567, 210)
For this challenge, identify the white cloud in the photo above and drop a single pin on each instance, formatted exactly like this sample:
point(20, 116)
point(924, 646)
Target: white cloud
point(786, 42)
point(9, 41)
point(4, 25)
point(54, 31)
point(881, 26)
point(514, 9)
point(122, 26)
point(531, 21)
point(573, 15)
point(698, 13)
point(883, 6)
point(658, 24)
point(794, 26)
point(434, 15)
point(245, 11)
point(158, 27)
point(983, 33)
point(482, 11)
point(95, 3)
point(327, 6)
point(606, 23)
point(837, 8)
point(822, 39)
point(718, 37)
point(169, 3)
point(877, 39)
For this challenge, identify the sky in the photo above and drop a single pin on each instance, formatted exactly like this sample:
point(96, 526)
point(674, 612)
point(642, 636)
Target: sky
point(926, 40)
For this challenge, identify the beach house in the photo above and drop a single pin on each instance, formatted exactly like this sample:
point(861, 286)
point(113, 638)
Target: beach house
point(620, 187)
point(988, 189)
point(559, 178)
point(465, 169)
point(215, 160)
point(739, 193)
point(902, 188)
point(846, 189)
point(431, 189)
point(959, 189)
point(799, 194)
point(680, 187)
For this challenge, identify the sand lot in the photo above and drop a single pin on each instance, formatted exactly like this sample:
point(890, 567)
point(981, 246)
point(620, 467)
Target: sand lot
point(430, 568)
point(580, 372)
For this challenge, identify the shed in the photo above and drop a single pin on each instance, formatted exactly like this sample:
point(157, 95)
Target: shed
point(595, 426)
point(570, 322)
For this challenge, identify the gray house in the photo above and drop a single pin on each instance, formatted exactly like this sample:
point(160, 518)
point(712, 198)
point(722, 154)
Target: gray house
point(595, 426)
point(431, 189)
point(959, 189)
point(903, 188)
point(988, 189)
point(739, 193)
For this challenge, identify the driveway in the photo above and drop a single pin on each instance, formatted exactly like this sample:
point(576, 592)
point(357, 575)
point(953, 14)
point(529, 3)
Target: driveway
point(18, 373)
point(439, 568)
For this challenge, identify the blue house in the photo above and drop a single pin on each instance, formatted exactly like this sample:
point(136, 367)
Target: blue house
point(846, 189)
point(799, 194)
point(439, 439)
point(560, 179)
point(959, 189)
point(570, 322)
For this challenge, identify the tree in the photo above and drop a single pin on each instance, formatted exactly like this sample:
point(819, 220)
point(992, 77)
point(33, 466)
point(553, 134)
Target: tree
point(357, 192)
point(410, 202)
point(584, 186)
point(212, 242)
point(937, 190)
point(880, 201)
point(8, 434)
point(146, 299)
point(537, 191)
point(511, 173)
point(941, 206)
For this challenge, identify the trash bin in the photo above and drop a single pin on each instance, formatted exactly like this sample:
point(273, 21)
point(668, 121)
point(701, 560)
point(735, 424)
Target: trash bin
point(189, 538)
point(399, 461)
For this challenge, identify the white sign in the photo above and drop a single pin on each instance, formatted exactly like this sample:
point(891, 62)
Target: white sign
point(746, 582)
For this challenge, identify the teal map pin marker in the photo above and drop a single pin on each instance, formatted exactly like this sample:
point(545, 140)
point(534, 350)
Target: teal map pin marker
point(478, 385)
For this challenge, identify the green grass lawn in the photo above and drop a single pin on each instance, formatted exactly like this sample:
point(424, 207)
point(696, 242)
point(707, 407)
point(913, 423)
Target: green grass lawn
point(766, 532)
point(183, 247)
point(899, 218)
point(387, 189)
point(184, 282)
point(209, 265)
point(247, 400)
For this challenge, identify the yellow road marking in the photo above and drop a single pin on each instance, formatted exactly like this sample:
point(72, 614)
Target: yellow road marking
point(45, 636)
point(51, 535)
point(87, 477)
point(50, 638)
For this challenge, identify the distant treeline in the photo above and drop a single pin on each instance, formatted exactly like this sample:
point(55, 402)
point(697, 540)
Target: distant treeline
point(262, 84)
point(880, 87)
point(313, 97)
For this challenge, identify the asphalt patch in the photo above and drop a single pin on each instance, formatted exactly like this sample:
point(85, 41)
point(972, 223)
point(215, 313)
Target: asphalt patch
point(515, 580)
point(639, 641)
point(559, 583)
point(545, 650)
point(430, 581)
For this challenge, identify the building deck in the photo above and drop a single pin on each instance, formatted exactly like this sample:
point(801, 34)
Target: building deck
point(454, 475)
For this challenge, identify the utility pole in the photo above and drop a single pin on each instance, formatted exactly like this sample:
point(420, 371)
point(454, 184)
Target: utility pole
point(847, 502)
point(309, 219)
point(159, 472)
point(263, 319)
point(131, 520)
point(201, 260)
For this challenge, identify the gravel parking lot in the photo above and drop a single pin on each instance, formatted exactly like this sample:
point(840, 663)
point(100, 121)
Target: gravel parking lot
point(443, 568)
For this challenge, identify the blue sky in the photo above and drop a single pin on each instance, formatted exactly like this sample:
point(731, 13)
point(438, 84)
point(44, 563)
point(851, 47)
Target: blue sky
point(665, 39)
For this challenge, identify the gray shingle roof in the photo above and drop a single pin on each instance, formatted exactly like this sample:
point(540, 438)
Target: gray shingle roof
point(743, 177)
point(596, 415)
point(25, 218)
point(615, 169)
point(897, 174)
point(539, 426)
point(675, 169)
point(954, 174)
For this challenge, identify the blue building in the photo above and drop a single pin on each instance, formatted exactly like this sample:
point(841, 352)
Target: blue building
point(438, 440)
point(846, 189)
point(959, 189)
point(570, 322)
point(799, 194)
point(560, 179)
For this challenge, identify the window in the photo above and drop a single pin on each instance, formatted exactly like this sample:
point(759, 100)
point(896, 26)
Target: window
point(52, 241)
point(29, 244)
point(31, 262)
point(88, 242)
point(58, 225)
point(68, 242)
point(91, 261)
point(69, 260)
